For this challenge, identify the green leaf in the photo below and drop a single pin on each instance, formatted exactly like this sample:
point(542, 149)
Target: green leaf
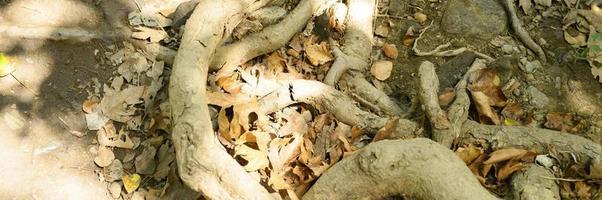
point(6, 67)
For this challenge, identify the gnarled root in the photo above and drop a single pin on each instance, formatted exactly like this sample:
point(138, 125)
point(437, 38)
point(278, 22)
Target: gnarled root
point(416, 169)
point(202, 162)
point(534, 183)
point(228, 57)
point(521, 32)
point(328, 99)
point(355, 54)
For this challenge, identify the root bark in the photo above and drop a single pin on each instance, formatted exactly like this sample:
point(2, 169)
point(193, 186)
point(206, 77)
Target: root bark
point(414, 169)
point(202, 162)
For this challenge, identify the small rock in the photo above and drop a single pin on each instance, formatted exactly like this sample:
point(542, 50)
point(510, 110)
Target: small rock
point(105, 157)
point(115, 190)
point(382, 30)
point(529, 67)
point(478, 18)
point(397, 8)
point(382, 69)
point(537, 98)
point(113, 172)
point(544, 160)
point(507, 49)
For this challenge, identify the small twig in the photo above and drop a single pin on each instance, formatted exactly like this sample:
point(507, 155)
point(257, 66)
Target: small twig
point(522, 33)
point(23, 84)
point(562, 179)
point(438, 51)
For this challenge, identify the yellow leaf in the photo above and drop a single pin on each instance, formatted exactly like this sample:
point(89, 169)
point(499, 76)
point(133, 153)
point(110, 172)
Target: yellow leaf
point(6, 66)
point(511, 122)
point(131, 182)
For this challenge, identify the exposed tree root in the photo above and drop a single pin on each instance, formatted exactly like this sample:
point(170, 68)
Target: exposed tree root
point(521, 32)
point(541, 141)
point(328, 99)
point(428, 93)
point(228, 57)
point(355, 54)
point(202, 162)
point(534, 139)
point(531, 184)
point(415, 169)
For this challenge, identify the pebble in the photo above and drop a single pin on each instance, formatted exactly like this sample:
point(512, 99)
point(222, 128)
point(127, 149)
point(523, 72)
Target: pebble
point(507, 49)
point(544, 160)
point(529, 67)
point(115, 190)
point(538, 98)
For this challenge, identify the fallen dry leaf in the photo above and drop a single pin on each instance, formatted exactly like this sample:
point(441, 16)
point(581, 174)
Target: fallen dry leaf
point(390, 50)
point(131, 182)
point(565, 122)
point(385, 132)
point(256, 158)
point(508, 169)
point(105, 157)
point(420, 17)
point(583, 190)
point(513, 111)
point(447, 97)
point(89, 105)
point(275, 62)
point(318, 54)
point(469, 153)
point(486, 113)
point(381, 70)
point(505, 154)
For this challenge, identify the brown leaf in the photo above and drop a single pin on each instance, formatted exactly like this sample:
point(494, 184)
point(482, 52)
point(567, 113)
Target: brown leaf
point(230, 84)
point(508, 169)
point(447, 97)
point(488, 82)
point(469, 153)
point(409, 37)
point(385, 132)
point(356, 133)
point(583, 190)
point(390, 50)
point(224, 125)
point(505, 154)
point(513, 111)
point(275, 62)
point(381, 70)
point(318, 54)
point(486, 113)
point(89, 105)
point(564, 122)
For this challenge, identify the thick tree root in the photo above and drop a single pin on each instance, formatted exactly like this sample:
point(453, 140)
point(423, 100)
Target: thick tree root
point(202, 162)
point(534, 183)
point(521, 32)
point(328, 99)
point(428, 93)
point(355, 54)
point(415, 169)
point(228, 57)
point(573, 148)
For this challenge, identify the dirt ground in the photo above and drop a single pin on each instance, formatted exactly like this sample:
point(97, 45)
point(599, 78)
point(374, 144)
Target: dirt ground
point(41, 158)
point(40, 108)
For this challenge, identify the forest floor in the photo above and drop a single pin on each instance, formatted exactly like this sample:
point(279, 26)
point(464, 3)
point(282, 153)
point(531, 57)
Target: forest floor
point(48, 149)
